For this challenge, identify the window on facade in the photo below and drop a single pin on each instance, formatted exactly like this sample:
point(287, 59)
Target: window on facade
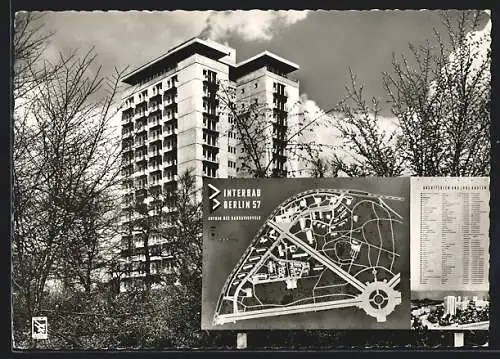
point(129, 102)
point(155, 150)
point(157, 89)
point(209, 171)
point(141, 183)
point(210, 76)
point(155, 177)
point(141, 167)
point(154, 119)
point(209, 155)
point(170, 174)
point(139, 140)
point(209, 108)
point(210, 139)
point(155, 163)
point(209, 124)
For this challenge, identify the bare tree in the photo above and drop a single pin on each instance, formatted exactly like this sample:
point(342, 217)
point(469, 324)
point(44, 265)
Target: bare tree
point(185, 236)
point(91, 244)
point(28, 44)
point(369, 148)
point(441, 100)
point(168, 224)
point(65, 159)
point(443, 104)
point(143, 224)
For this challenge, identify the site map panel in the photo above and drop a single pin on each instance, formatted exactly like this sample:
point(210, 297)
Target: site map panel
point(305, 254)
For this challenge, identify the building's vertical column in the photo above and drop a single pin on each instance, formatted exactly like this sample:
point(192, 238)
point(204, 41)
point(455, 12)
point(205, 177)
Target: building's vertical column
point(284, 96)
point(189, 149)
point(229, 142)
point(170, 117)
point(201, 146)
point(280, 130)
point(141, 146)
point(295, 121)
point(276, 98)
point(211, 135)
point(253, 96)
point(127, 171)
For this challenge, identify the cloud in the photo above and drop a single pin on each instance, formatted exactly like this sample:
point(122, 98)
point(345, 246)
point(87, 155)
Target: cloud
point(326, 134)
point(250, 25)
point(320, 129)
point(325, 131)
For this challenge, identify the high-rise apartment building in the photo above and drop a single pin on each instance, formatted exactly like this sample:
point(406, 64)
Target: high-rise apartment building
point(450, 305)
point(174, 118)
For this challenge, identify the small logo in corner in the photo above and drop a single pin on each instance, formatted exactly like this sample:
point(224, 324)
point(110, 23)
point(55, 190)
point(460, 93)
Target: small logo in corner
point(213, 201)
point(39, 328)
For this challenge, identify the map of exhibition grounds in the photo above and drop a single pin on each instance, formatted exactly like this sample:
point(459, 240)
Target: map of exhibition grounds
point(312, 250)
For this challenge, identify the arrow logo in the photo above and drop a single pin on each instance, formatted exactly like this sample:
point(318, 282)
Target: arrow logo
point(215, 189)
point(216, 192)
point(215, 204)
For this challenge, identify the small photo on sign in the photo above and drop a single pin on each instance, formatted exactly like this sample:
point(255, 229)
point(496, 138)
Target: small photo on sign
point(39, 328)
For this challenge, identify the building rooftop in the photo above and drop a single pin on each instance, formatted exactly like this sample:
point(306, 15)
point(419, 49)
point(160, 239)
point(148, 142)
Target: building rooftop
point(265, 58)
point(215, 51)
point(171, 57)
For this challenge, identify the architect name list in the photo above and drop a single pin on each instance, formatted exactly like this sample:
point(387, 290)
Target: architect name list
point(453, 236)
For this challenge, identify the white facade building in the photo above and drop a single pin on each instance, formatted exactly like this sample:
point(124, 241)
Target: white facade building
point(173, 120)
point(450, 305)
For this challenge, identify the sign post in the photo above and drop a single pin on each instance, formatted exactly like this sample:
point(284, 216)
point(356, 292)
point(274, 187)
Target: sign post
point(241, 341)
point(458, 339)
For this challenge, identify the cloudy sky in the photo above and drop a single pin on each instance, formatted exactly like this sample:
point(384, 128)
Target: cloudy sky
point(323, 43)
